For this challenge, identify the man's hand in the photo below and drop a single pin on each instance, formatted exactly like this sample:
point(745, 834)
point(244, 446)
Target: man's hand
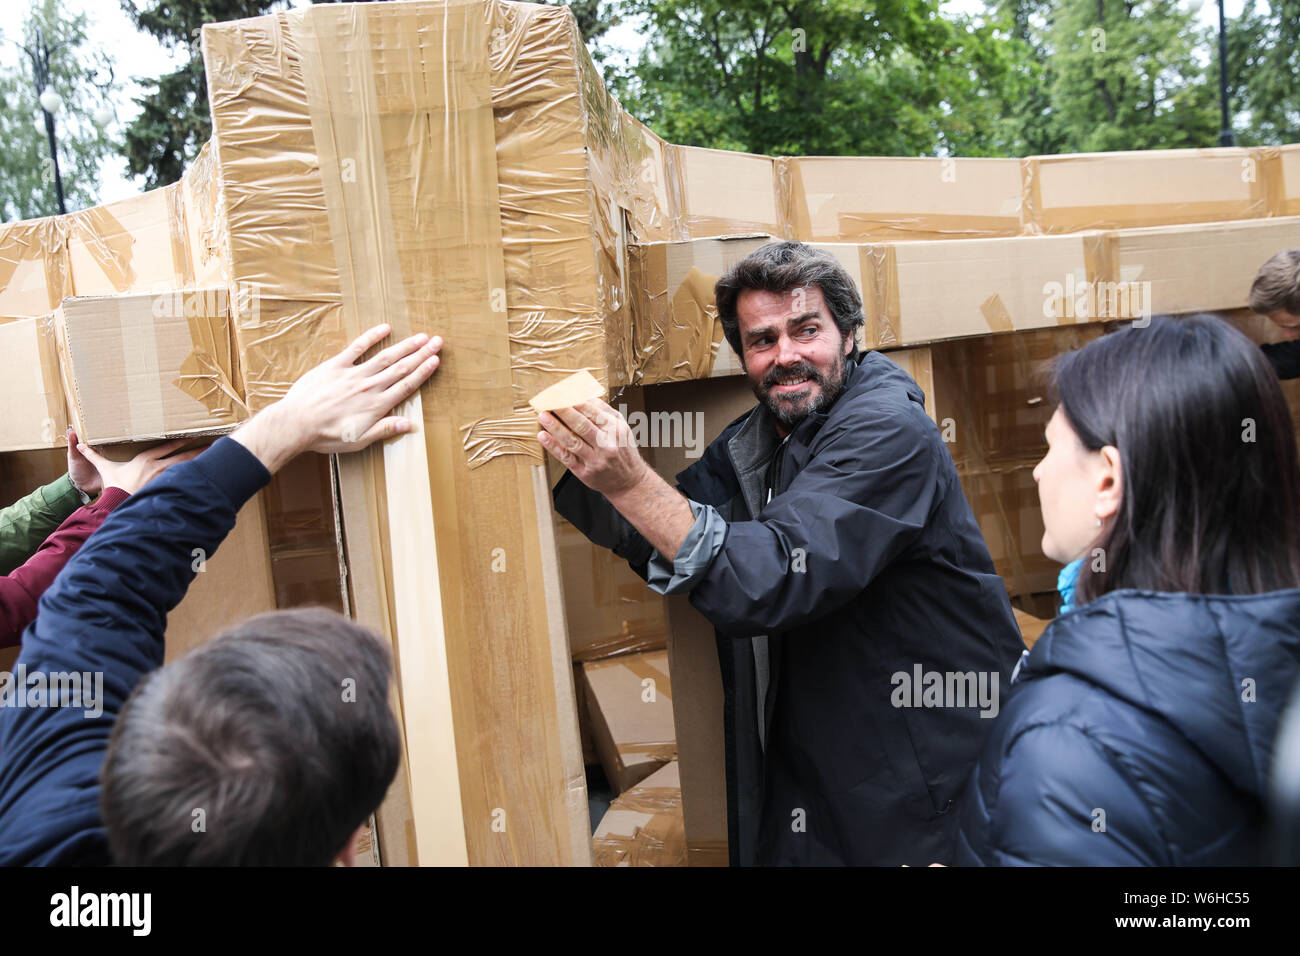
point(341, 406)
point(594, 442)
point(84, 475)
point(133, 475)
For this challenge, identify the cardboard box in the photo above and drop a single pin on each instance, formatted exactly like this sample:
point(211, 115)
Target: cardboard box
point(885, 198)
point(720, 192)
point(643, 827)
point(630, 703)
point(137, 244)
point(34, 274)
point(1120, 190)
point(1288, 174)
point(149, 366)
point(1207, 267)
point(31, 390)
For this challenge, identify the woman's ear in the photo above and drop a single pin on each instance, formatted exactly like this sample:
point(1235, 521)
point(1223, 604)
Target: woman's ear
point(1110, 483)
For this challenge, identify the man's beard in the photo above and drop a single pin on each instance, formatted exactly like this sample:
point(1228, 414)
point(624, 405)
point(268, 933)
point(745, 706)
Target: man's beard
point(789, 411)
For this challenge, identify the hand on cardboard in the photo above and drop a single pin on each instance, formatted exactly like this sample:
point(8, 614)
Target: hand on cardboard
point(133, 475)
point(340, 405)
point(84, 475)
point(595, 443)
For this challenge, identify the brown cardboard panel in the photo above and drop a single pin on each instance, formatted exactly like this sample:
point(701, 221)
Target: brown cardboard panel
point(1289, 174)
point(630, 701)
point(235, 583)
point(404, 220)
point(1031, 628)
point(1204, 267)
point(692, 646)
point(34, 276)
point(303, 539)
point(137, 244)
point(992, 410)
point(139, 367)
point(31, 390)
point(643, 827)
point(1120, 190)
point(883, 198)
point(725, 193)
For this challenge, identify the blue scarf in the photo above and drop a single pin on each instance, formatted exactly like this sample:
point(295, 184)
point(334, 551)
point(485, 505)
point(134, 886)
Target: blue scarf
point(1065, 583)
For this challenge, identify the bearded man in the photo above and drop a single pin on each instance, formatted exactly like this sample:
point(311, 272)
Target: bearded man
point(826, 537)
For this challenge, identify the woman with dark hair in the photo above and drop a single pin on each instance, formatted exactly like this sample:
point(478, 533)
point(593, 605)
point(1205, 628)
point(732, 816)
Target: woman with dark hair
point(1139, 730)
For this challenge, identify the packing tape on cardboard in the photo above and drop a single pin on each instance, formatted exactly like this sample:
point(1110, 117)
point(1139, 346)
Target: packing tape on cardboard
point(889, 227)
point(205, 374)
point(178, 231)
point(660, 841)
point(487, 438)
point(45, 240)
point(626, 643)
point(649, 800)
point(47, 346)
point(996, 314)
point(1272, 179)
point(707, 853)
point(107, 242)
point(880, 296)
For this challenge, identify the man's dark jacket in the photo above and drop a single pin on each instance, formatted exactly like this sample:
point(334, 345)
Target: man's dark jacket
point(1139, 732)
point(896, 574)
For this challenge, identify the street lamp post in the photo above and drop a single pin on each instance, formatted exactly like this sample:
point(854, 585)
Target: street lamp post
point(50, 102)
point(1225, 126)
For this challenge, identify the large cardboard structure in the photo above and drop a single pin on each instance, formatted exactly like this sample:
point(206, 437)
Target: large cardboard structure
point(457, 167)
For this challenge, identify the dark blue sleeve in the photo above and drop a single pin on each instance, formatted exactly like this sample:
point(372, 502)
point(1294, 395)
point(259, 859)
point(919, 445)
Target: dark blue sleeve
point(1285, 358)
point(103, 620)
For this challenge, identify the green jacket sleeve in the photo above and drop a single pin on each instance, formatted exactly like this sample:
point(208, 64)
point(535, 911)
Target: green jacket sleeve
point(26, 523)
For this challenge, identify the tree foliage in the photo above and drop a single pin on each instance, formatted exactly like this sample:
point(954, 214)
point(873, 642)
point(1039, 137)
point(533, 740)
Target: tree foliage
point(82, 76)
point(174, 120)
point(1264, 72)
point(826, 77)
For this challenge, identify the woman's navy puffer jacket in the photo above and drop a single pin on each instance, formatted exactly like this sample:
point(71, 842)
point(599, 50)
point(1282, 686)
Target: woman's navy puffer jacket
point(1138, 732)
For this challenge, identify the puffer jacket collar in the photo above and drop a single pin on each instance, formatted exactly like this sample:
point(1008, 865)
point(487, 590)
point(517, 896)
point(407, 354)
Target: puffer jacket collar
point(1217, 667)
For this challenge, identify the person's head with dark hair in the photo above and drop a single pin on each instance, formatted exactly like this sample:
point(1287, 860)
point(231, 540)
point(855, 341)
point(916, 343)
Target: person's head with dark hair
point(1276, 291)
point(791, 314)
point(270, 745)
point(1171, 464)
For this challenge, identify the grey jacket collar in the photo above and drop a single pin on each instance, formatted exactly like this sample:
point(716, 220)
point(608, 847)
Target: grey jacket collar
point(751, 448)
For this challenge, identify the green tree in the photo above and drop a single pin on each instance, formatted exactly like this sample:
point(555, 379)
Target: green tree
point(82, 76)
point(828, 77)
point(174, 120)
point(1130, 74)
point(1264, 72)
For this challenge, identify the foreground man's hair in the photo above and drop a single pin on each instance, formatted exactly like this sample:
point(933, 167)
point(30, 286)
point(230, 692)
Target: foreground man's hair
point(268, 746)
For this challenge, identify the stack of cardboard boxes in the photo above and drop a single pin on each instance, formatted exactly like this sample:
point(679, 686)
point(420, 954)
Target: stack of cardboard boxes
point(457, 167)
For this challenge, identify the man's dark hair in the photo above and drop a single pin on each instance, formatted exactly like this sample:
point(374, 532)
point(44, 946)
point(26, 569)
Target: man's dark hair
point(780, 267)
point(1211, 483)
point(279, 731)
point(1277, 285)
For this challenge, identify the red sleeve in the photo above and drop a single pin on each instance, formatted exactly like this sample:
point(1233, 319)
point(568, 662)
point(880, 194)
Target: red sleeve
point(22, 588)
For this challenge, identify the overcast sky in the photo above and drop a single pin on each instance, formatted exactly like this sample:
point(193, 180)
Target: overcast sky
point(137, 54)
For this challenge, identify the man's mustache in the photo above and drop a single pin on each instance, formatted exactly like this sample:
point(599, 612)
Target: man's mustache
point(802, 370)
